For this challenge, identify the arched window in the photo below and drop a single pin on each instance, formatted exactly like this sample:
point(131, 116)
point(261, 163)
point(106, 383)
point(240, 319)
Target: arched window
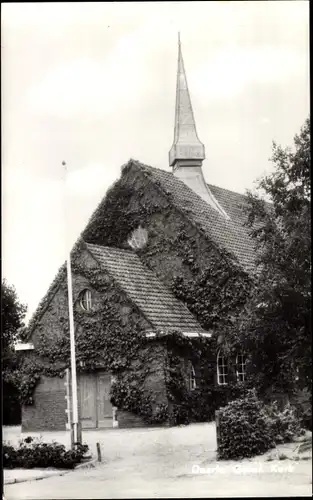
point(222, 369)
point(241, 367)
point(86, 300)
point(192, 384)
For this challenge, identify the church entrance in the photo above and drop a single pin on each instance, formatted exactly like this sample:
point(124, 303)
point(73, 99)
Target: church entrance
point(96, 411)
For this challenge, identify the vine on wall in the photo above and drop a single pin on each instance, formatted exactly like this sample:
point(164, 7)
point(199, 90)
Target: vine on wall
point(218, 288)
point(215, 293)
point(199, 404)
point(101, 339)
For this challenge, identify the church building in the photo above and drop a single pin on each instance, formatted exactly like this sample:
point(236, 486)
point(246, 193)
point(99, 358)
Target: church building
point(158, 273)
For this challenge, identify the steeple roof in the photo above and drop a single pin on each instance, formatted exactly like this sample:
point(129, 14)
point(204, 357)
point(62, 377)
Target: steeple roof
point(186, 145)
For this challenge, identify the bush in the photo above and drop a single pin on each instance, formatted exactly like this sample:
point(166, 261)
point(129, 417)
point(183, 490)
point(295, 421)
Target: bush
point(282, 425)
point(243, 429)
point(200, 404)
point(302, 401)
point(128, 397)
point(160, 414)
point(32, 453)
point(11, 405)
point(179, 414)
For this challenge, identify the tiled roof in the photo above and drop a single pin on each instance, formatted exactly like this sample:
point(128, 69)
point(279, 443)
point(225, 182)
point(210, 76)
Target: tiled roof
point(158, 304)
point(232, 203)
point(229, 234)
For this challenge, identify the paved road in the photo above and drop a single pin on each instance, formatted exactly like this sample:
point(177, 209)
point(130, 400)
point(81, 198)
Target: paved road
point(140, 480)
point(193, 439)
point(158, 463)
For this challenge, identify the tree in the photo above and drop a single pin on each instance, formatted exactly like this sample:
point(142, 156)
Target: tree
point(12, 315)
point(275, 327)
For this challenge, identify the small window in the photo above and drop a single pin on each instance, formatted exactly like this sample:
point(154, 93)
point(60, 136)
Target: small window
point(138, 238)
point(86, 300)
point(192, 384)
point(222, 369)
point(241, 367)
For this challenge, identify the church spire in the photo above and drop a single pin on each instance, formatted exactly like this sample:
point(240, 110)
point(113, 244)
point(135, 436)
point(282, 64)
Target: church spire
point(187, 153)
point(186, 146)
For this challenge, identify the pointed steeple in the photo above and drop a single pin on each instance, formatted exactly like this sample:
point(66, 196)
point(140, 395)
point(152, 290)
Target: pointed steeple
point(186, 145)
point(187, 153)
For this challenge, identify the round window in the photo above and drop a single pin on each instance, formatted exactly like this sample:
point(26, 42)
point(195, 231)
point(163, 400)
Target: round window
point(86, 300)
point(138, 238)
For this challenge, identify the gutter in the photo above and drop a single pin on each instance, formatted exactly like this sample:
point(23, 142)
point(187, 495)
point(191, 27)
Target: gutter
point(185, 334)
point(23, 347)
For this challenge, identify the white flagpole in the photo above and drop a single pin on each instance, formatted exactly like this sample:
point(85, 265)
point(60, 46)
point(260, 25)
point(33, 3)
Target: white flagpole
point(76, 431)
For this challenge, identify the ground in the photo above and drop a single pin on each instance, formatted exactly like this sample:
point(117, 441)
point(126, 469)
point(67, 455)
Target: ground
point(159, 463)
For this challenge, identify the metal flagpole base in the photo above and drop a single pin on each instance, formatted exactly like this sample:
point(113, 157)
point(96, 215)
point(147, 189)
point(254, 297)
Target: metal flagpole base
point(78, 433)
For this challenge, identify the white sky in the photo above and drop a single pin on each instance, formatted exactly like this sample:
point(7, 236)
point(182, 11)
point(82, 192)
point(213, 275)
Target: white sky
point(94, 84)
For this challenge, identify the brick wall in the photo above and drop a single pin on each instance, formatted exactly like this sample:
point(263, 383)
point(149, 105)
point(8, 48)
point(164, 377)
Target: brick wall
point(48, 411)
point(127, 420)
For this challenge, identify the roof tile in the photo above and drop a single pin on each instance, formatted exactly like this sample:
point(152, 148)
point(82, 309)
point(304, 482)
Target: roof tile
point(142, 286)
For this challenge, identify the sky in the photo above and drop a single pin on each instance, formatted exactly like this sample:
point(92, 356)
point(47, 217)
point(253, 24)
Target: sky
point(93, 84)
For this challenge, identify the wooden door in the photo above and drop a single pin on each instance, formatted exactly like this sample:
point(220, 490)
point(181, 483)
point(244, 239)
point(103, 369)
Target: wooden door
point(88, 400)
point(104, 407)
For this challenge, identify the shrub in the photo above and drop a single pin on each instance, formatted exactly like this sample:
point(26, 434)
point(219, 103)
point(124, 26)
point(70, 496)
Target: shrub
point(129, 397)
point(160, 414)
point(306, 445)
point(180, 414)
point(282, 425)
point(243, 429)
point(32, 453)
point(302, 401)
point(200, 404)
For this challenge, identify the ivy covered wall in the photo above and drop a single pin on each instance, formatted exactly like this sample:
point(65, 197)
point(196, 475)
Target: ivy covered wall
point(206, 278)
point(109, 337)
point(151, 374)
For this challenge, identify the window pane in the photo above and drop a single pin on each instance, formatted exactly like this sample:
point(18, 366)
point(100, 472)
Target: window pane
point(85, 300)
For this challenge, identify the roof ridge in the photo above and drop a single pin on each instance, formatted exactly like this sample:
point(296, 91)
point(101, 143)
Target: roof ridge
point(150, 167)
point(226, 189)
